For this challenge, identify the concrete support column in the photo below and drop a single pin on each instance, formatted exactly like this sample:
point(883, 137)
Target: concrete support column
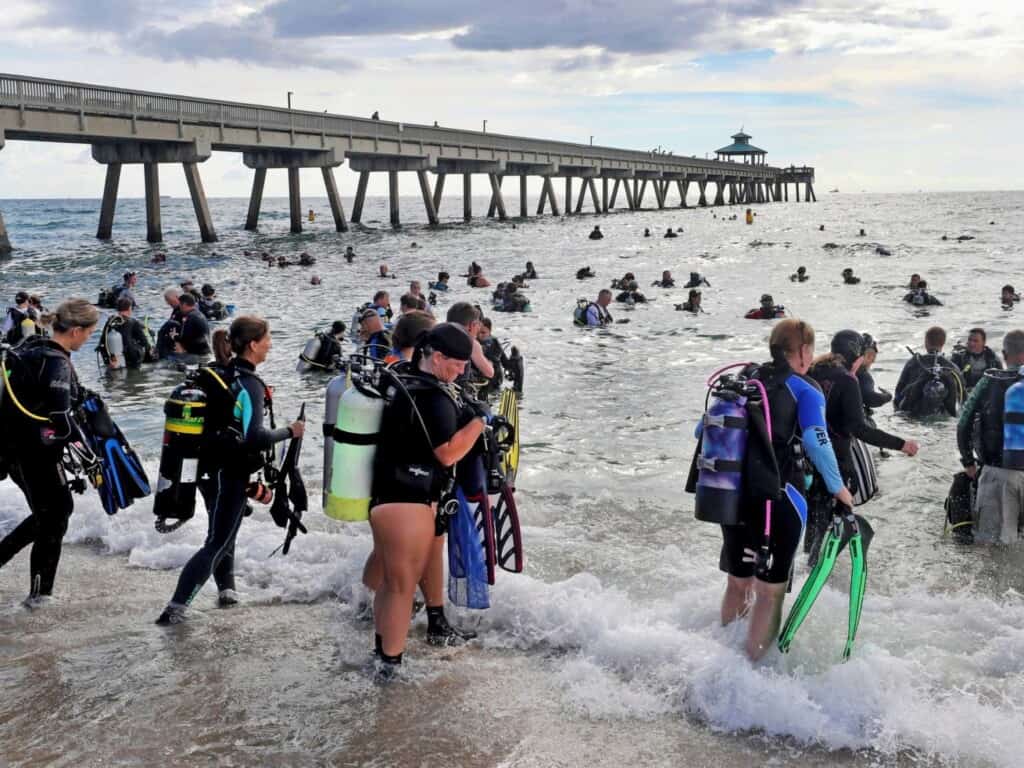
point(428, 199)
point(719, 192)
point(797, 189)
point(660, 190)
point(438, 191)
point(106, 226)
point(393, 198)
point(604, 195)
point(615, 194)
point(467, 197)
point(811, 197)
point(256, 198)
point(523, 213)
point(492, 206)
point(496, 199)
point(593, 194)
point(684, 190)
point(568, 195)
point(294, 201)
point(638, 197)
point(357, 204)
point(5, 243)
point(703, 200)
point(547, 194)
point(581, 196)
point(199, 204)
point(785, 192)
point(154, 229)
point(334, 199)
point(630, 190)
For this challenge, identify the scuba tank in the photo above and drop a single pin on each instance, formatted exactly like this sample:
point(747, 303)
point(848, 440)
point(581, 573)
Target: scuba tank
point(1013, 427)
point(579, 315)
point(516, 369)
point(185, 412)
point(723, 433)
point(310, 354)
point(335, 389)
point(355, 434)
point(112, 344)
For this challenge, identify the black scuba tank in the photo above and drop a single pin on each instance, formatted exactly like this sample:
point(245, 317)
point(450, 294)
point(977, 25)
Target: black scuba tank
point(185, 412)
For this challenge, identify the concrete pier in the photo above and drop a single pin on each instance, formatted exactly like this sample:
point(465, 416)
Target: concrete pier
point(294, 201)
point(5, 243)
point(144, 128)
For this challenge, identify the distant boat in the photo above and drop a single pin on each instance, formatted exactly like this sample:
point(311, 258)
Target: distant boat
point(833, 190)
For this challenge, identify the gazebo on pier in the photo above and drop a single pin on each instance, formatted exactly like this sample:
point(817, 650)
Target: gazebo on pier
point(741, 148)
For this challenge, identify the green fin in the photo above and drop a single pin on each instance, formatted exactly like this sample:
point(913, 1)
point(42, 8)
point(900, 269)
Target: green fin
point(816, 580)
point(858, 583)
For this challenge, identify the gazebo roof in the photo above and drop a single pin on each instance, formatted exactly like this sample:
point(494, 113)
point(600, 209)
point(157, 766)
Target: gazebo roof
point(741, 148)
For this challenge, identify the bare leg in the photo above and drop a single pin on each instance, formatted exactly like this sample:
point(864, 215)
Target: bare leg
point(373, 572)
point(402, 537)
point(765, 618)
point(432, 583)
point(739, 594)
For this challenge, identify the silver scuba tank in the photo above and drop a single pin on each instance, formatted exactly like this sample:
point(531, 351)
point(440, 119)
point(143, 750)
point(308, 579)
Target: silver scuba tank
point(309, 354)
point(335, 389)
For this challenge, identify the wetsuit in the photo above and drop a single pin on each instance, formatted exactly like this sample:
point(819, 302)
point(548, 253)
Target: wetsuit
point(137, 347)
point(18, 323)
point(597, 315)
point(921, 298)
point(918, 372)
point(761, 314)
point(226, 486)
point(405, 469)
point(46, 384)
point(973, 367)
point(195, 334)
point(378, 345)
point(798, 429)
point(872, 397)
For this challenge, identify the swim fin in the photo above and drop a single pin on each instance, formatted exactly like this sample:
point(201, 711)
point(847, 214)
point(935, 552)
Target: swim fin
point(816, 580)
point(859, 541)
point(122, 478)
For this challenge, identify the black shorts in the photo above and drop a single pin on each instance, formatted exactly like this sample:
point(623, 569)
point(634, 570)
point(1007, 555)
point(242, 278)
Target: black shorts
point(785, 539)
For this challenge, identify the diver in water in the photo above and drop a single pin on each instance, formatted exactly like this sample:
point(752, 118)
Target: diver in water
point(929, 383)
point(920, 297)
point(670, 233)
point(756, 588)
point(667, 281)
point(38, 424)
point(135, 342)
point(1008, 297)
point(768, 310)
point(595, 314)
point(350, 254)
point(324, 351)
point(596, 234)
point(584, 272)
point(800, 276)
point(239, 351)
point(647, 232)
point(21, 321)
point(376, 343)
point(974, 358)
point(849, 278)
point(869, 393)
point(476, 277)
point(696, 281)
point(530, 273)
point(194, 337)
point(692, 303)
point(915, 281)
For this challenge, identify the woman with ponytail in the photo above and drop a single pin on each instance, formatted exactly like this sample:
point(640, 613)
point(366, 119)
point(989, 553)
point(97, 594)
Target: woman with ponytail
point(798, 430)
point(41, 394)
point(238, 351)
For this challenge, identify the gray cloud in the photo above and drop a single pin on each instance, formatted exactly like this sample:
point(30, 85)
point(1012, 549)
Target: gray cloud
point(602, 60)
point(108, 15)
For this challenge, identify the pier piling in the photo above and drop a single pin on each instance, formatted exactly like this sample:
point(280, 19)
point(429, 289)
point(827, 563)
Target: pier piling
point(106, 226)
point(337, 211)
point(199, 204)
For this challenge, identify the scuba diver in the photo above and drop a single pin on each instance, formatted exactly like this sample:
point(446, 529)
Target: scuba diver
point(920, 297)
point(624, 283)
point(929, 383)
point(758, 551)
point(108, 296)
point(305, 260)
point(915, 281)
point(194, 337)
point(667, 281)
point(1008, 297)
point(507, 298)
point(441, 284)
point(670, 233)
point(410, 477)
point(872, 396)
point(596, 234)
point(750, 216)
point(383, 273)
point(476, 277)
point(323, 352)
point(836, 375)
point(631, 295)
point(849, 278)
point(470, 318)
point(990, 433)
point(768, 310)
point(405, 334)
point(584, 272)
point(21, 321)
point(800, 276)
point(647, 232)
point(376, 343)
point(530, 273)
point(41, 397)
point(239, 350)
point(412, 303)
point(594, 314)
point(350, 254)
point(692, 303)
point(133, 346)
point(975, 358)
point(211, 307)
point(696, 281)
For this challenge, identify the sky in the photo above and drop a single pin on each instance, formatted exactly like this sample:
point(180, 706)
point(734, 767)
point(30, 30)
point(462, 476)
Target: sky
point(878, 96)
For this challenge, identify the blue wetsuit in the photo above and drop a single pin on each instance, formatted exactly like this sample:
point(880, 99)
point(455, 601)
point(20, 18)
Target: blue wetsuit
point(798, 419)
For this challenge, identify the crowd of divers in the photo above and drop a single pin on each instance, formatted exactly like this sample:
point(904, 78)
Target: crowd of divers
point(421, 439)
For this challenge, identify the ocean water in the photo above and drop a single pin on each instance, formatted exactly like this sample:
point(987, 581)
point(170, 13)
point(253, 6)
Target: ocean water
point(608, 648)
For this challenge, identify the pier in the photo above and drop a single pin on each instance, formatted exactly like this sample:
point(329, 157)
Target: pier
point(139, 128)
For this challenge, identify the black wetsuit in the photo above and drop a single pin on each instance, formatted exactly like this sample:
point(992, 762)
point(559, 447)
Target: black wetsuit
point(973, 367)
point(405, 469)
point(917, 372)
point(869, 393)
point(224, 492)
point(137, 347)
point(46, 385)
point(195, 334)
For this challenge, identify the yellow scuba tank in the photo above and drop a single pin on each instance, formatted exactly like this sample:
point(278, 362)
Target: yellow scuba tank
point(185, 417)
point(354, 437)
point(335, 389)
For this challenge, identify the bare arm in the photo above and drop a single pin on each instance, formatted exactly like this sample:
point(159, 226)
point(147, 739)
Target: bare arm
point(460, 443)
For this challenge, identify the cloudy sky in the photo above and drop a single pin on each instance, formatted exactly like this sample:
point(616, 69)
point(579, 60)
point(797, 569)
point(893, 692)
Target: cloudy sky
point(878, 96)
